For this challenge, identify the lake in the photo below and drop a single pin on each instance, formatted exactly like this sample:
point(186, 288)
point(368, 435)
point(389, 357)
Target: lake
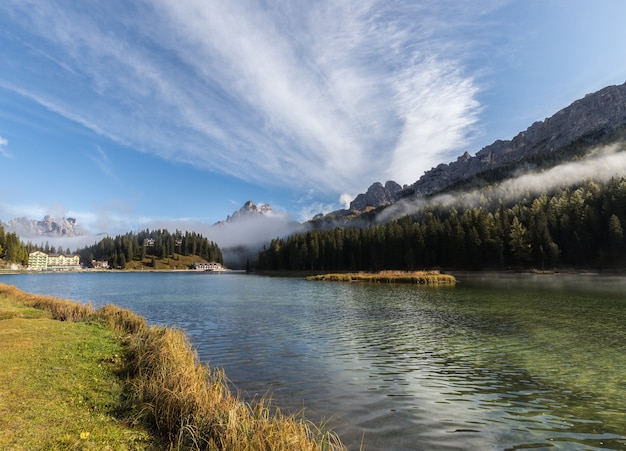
point(496, 362)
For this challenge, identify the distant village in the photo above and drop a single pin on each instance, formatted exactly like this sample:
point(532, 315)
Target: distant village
point(40, 261)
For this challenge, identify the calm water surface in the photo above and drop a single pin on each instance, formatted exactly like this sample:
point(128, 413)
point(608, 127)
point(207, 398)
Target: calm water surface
point(506, 362)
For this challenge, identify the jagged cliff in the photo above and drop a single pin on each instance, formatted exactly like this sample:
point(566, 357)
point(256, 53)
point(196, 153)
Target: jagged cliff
point(248, 210)
point(377, 195)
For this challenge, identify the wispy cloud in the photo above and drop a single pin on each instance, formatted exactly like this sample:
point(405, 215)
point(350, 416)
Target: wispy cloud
point(330, 95)
point(3, 151)
point(101, 159)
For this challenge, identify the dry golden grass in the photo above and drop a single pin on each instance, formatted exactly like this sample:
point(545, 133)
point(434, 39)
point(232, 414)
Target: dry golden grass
point(187, 403)
point(411, 277)
point(195, 408)
point(60, 309)
point(121, 320)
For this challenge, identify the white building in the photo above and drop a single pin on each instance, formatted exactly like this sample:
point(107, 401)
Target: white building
point(37, 261)
point(40, 261)
point(212, 266)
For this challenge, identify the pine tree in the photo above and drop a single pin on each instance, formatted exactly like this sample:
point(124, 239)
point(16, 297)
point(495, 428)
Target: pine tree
point(520, 247)
point(615, 238)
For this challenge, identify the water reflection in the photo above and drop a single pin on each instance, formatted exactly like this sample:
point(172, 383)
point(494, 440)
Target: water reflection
point(500, 363)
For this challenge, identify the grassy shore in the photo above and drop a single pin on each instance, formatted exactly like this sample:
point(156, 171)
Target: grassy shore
point(411, 277)
point(78, 378)
point(60, 388)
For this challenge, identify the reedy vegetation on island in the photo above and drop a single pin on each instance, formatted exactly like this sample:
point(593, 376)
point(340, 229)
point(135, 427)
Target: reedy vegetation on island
point(189, 405)
point(414, 277)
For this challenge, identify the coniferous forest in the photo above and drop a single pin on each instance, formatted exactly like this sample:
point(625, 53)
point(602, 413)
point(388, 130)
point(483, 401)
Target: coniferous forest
point(160, 244)
point(579, 227)
point(12, 249)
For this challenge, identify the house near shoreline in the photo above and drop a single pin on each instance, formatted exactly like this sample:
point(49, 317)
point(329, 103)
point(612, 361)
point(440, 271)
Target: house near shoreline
point(100, 264)
point(40, 261)
point(211, 266)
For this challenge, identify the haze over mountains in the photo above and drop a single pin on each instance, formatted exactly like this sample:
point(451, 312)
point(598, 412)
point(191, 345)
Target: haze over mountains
point(46, 227)
point(590, 119)
point(249, 210)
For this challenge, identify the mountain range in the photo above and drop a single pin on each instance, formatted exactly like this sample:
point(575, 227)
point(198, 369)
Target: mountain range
point(69, 227)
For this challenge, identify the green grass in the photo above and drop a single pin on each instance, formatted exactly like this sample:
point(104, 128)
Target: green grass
point(10, 309)
point(60, 389)
point(178, 262)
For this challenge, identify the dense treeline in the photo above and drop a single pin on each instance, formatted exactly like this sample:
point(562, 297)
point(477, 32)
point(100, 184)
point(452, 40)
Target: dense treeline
point(159, 244)
point(577, 226)
point(120, 250)
point(11, 248)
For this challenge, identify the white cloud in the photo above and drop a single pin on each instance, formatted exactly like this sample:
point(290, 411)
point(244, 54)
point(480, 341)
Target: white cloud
point(101, 159)
point(313, 208)
point(439, 108)
point(331, 95)
point(602, 164)
point(345, 199)
point(3, 151)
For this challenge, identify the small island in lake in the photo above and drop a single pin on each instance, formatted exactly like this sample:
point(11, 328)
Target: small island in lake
point(414, 277)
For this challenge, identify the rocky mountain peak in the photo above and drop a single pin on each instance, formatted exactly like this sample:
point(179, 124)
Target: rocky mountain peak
point(249, 209)
point(377, 195)
point(48, 227)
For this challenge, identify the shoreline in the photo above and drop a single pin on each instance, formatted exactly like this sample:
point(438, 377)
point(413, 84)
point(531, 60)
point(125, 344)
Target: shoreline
point(116, 271)
point(167, 389)
point(307, 274)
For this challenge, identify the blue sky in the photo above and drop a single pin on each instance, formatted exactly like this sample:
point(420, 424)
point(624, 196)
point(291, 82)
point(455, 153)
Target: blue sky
point(129, 115)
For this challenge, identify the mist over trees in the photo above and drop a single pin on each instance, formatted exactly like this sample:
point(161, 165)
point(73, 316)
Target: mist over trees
point(580, 227)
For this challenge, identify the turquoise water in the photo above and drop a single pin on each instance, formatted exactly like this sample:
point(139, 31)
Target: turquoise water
point(506, 362)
